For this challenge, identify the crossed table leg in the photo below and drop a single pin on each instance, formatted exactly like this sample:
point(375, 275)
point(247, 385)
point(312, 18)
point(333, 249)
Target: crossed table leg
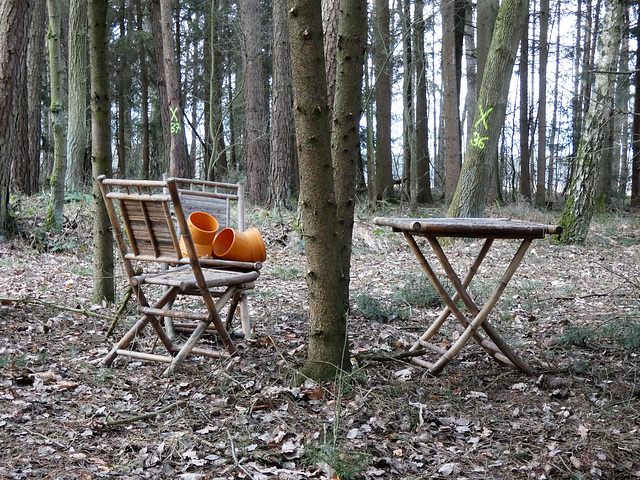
point(496, 347)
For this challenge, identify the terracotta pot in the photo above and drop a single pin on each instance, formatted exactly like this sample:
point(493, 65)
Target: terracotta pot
point(201, 250)
point(247, 246)
point(203, 228)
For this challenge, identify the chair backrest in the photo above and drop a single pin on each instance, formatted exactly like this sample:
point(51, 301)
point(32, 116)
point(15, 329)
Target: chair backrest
point(152, 214)
point(214, 198)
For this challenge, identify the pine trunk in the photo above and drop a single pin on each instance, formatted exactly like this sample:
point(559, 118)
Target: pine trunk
point(384, 165)
point(77, 133)
point(328, 347)
point(256, 106)
point(58, 118)
point(179, 162)
point(422, 177)
point(542, 106)
point(103, 284)
point(345, 131)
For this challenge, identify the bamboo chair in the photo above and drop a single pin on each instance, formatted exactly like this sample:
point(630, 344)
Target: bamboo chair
point(217, 199)
point(151, 215)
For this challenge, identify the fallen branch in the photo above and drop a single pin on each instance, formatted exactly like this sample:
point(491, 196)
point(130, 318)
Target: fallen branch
point(146, 416)
point(384, 357)
point(8, 301)
point(123, 305)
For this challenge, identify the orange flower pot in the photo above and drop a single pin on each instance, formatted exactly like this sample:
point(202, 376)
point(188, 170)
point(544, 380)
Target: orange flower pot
point(247, 246)
point(203, 228)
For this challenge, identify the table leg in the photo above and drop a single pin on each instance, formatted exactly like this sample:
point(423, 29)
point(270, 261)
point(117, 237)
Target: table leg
point(451, 306)
point(481, 314)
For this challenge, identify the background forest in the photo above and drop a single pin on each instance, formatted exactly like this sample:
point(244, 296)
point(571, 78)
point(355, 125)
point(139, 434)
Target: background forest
point(206, 89)
point(231, 96)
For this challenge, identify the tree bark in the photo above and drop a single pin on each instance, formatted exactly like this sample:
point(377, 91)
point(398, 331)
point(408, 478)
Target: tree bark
point(542, 106)
point(144, 92)
point(103, 284)
point(283, 135)
point(408, 110)
point(578, 211)
point(635, 135)
point(35, 67)
point(473, 188)
point(16, 15)
point(382, 62)
point(422, 177)
point(58, 111)
point(179, 162)
point(328, 346)
point(345, 131)
point(525, 122)
point(77, 133)
point(164, 149)
point(256, 107)
point(452, 26)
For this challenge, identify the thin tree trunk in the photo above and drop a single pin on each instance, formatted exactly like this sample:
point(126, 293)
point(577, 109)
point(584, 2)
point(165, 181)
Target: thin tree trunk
point(35, 68)
point(422, 177)
point(408, 115)
point(16, 15)
point(282, 127)
point(345, 132)
point(635, 135)
point(328, 347)
point(179, 163)
point(384, 164)
point(578, 211)
point(525, 123)
point(77, 134)
point(144, 92)
point(103, 282)
point(256, 108)
point(542, 105)
point(58, 110)
point(163, 105)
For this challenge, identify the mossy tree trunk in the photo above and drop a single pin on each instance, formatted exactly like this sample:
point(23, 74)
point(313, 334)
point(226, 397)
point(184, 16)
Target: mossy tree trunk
point(578, 211)
point(471, 194)
point(103, 284)
point(58, 110)
point(328, 348)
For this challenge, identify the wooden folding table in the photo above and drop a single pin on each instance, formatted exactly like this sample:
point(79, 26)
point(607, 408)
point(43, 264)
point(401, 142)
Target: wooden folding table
point(482, 228)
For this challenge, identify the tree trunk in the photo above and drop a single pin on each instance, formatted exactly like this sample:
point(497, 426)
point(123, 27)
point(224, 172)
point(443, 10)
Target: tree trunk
point(179, 162)
point(525, 123)
point(452, 24)
point(330, 11)
point(103, 284)
point(35, 68)
point(542, 106)
point(581, 200)
point(256, 106)
point(217, 160)
point(328, 346)
point(422, 177)
point(382, 62)
point(16, 15)
point(283, 135)
point(163, 105)
point(77, 133)
point(408, 111)
point(58, 118)
point(635, 135)
point(144, 92)
point(473, 188)
point(345, 131)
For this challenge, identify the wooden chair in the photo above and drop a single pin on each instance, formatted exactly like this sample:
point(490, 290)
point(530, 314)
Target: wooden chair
point(152, 216)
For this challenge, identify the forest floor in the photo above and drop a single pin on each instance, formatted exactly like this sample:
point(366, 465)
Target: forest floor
point(572, 312)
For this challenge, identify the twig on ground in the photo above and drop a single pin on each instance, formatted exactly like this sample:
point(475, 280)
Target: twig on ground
point(123, 305)
point(384, 357)
point(146, 416)
point(232, 447)
point(35, 301)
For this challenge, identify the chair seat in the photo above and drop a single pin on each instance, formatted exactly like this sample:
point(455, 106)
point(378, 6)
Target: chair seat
point(184, 278)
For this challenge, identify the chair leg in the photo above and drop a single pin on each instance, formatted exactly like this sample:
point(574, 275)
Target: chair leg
point(244, 316)
point(126, 340)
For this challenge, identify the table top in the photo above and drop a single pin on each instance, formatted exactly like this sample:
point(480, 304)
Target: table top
point(469, 227)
